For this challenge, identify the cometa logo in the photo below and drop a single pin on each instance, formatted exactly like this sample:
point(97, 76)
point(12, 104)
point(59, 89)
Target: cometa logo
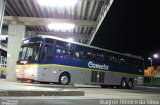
point(97, 66)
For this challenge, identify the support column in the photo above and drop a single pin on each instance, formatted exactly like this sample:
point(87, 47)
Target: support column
point(2, 8)
point(15, 35)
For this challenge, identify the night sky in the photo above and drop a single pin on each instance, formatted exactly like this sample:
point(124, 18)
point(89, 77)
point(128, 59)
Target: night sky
point(131, 26)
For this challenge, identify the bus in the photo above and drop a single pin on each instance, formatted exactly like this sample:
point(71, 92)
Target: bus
point(55, 60)
point(3, 60)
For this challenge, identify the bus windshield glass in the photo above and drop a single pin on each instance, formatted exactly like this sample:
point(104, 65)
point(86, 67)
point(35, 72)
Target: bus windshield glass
point(29, 52)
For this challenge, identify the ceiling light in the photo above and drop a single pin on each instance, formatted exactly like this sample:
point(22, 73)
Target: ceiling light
point(61, 26)
point(57, 3)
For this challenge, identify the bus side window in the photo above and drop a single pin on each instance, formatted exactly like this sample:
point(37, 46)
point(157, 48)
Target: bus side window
point(48, 53)
point(77, 54)
point(58, 51)
point(81, 54)
point(71, 53)
point(45, 49)
point(114, 59)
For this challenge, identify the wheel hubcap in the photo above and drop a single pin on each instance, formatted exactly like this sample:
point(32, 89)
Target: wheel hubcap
point(64, 80)
point(130, 84)
point(123, 83)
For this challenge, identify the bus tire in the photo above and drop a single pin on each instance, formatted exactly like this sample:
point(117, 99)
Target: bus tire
point(64, 79)
point(123, 83)
point(130, 84)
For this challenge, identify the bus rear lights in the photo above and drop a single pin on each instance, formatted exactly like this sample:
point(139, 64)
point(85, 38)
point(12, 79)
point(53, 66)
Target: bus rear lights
point(57, 3)
point(61, 26)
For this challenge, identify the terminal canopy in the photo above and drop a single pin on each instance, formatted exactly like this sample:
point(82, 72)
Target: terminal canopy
point(78, 20)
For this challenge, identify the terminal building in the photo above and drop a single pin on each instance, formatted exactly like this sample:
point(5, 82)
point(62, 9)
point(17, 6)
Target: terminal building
point(152, 71)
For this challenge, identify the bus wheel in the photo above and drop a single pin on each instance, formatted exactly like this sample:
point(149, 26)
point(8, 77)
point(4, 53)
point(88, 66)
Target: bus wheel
point(123, 83)
point(130, 84)
point(64, 79)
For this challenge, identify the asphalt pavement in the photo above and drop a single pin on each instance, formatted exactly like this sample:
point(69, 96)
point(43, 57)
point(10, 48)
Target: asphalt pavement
point(93, 95)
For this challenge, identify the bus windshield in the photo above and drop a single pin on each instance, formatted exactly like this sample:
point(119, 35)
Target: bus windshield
point(29, 52)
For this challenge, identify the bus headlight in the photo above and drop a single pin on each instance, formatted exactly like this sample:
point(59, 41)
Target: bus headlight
point(30, 71)
point(17, 70)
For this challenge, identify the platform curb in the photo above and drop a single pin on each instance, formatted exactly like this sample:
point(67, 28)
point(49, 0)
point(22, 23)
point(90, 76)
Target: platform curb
point(41, 93)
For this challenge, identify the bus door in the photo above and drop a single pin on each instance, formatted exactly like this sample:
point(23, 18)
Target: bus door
point(97, 76)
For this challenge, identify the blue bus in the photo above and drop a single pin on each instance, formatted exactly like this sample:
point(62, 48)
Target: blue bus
point(55, 60)
point(3, 61)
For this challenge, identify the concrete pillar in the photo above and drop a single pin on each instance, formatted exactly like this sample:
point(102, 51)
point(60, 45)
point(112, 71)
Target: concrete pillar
point(15, 35)
point(2, 8)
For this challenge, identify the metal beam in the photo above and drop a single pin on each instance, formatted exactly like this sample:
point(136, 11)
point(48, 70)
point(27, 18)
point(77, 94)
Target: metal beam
point(57, 34)
point(61, 35)
point(91, 0)
point(102, 14)
point(36, 21)
point(86, 0)
point(2, 8)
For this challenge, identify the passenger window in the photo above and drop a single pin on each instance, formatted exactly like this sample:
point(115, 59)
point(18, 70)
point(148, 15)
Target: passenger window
point(48, 53)
point(77, 54)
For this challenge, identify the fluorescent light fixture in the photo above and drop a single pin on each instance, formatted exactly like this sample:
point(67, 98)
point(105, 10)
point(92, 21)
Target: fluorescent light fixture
point(70, 39)
point(57, 3)
point(61, 26)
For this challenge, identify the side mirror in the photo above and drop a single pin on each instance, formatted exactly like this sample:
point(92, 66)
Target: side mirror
point(20, 53)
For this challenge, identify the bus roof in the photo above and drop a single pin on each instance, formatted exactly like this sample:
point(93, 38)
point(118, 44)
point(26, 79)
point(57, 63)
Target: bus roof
point(61, 39)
